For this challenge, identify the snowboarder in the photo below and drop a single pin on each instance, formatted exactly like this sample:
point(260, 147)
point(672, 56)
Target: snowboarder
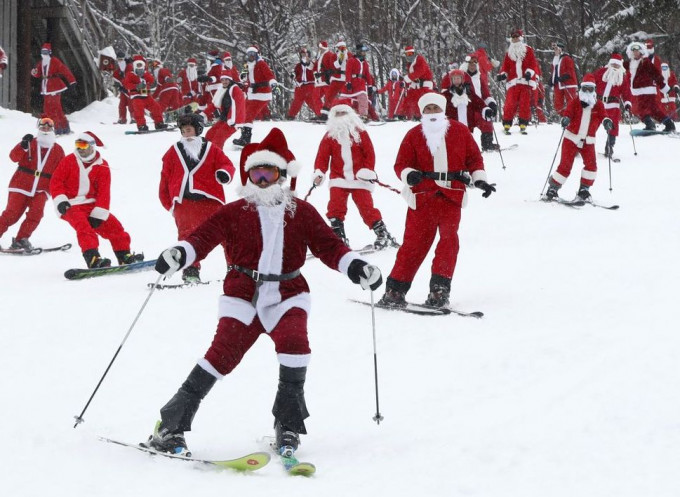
point(436, 161)
point(668, 101)
point(28, 189)
point(121, 68)
point(188, 82)
point(347, 150)
point(53, 72)
point(267, 234)
point(324, 67)
point(581, 119)
point(191, 187)
point(81, 190)
point(394, 89)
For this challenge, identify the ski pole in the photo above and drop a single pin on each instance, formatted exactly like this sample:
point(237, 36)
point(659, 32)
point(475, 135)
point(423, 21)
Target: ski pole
point(499, 146)
point(553, 161)
point(610, 165)
point(310, 191)
point(79, 419)
point(386, 186)
point(378, 417)
point(630, 124)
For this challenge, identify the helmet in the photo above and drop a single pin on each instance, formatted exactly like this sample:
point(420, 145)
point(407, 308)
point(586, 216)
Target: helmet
point(191, 119)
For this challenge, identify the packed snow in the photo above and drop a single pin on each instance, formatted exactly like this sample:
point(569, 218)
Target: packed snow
point(569, 385)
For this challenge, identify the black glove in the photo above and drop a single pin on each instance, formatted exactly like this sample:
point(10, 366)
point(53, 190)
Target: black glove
point(26, 140)
point(413, 178)
point(608, 124)
point(483, 185)
point(493, 106)
point(565, 122)
point(348, 86)
point(204, 78)
point(171, 260)
point(95, 222)
point(401, 84)
point(563, 78)
point(364, 274)
point(223, 177)
point(489, 114)
point(72, 86)
point(527, 76)
point(501, 77)
point(63, 207)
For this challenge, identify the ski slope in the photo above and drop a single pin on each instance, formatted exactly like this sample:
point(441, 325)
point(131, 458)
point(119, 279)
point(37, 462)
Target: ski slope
point(569, 386)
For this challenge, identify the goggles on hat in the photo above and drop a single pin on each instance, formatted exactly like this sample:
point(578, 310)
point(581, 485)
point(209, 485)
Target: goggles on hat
point(45, 51)
point(191, 64)
point(588, 88)
point(267, 174)
point(83, 144)
point(45, 121)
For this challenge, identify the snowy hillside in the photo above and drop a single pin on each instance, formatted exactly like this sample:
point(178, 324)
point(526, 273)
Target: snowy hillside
point(568, 387)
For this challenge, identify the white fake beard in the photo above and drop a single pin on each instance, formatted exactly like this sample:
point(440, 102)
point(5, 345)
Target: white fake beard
point(192, 146)
point(192, 73)
point(228, 64)
point(587, 97)
point(121, 65)
point(457, 100)
point(634, 63)
point(517, 51)
point(46, 58)
point(614, 75)
point(271, 196)
point(345, 128)
point(434, 129)
point(666, 74)
point(46, 138)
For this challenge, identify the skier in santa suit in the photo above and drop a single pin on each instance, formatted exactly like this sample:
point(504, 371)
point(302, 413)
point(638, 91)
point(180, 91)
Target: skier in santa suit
point(563, 79)
point(53, 72)
point(138, 84)
point(581, 120)
point(394, 89)
point(37, 157)
point(613, 89)
point(480, 84)
point(668, 100)
point(359, 79)
point(229, 107)
point(191, 187)
point(518, 69)
point(167, 92)
point(229, 68)
point(324, 66)
point(260, 81)
point(435, 161)
point(188, 82)
point(267, 234)
point(645, 81)
point(305, 91)
point(347, 151)
point(122, 67)
point(465, 104)
point(3, 61)
point(339, 77)
point(419, 80)
point(81, 190)
point(211, 80)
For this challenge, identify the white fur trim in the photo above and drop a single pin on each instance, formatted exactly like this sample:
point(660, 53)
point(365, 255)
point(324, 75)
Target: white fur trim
point(265, 158)
point(230, 178)
point(479, 174)
point(99, 213)
point(190, 251)
point(236, 308)
point(208, 368)
point(559, 178)
point(346, 260)
point(293, 168)
point(432, 98)
point(294, 360)
point(588, 174)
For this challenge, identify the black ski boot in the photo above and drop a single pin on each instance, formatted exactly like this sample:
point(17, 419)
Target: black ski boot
point(161, 125)
point(649, 124)
point(339, 229)
point(440, 291)
point(246, 135)
point(191, 275)
point(126, 257)
point(395, 293)
point(143, 127)
point(383, 237)
point(488, 144)
point(609, 147)
point(21, 244)
point(178, 414)
point(584, 194)
point(94, 260)
point(523, 123)
point(290, 409)
point(669, 125)
point(506, 127)
point(552, 191)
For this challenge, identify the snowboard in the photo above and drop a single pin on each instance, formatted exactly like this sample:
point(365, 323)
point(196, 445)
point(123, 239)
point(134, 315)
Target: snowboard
point(249, 462)
point(651, 132)
point(81, 274)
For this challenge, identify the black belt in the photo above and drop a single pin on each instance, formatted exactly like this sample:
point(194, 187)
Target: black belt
point(461, 176)
point(261, 278)
point(33, 172)
point(609, 99)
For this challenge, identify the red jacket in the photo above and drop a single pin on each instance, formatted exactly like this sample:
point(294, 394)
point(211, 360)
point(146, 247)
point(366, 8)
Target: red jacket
point(462, 154)
point(617, 95)
point(189, 88)
point(165, 83)
point(53, 74)
point(260, 79)
point(354, 72)
point(583, 122)
point(132, 81)
point(36, 166)
point(229, 104)
point(644, 77)
point(419, 74)
point(177, 179)
point(324, 68)
point(515, 69)
point(304, 75)
point(473, 107)
point(80, 183)
point(343, 174)
point(564, 72)
point(3, 59)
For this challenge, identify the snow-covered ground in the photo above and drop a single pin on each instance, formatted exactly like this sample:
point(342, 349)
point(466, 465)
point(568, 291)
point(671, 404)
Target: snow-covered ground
point(569, 386)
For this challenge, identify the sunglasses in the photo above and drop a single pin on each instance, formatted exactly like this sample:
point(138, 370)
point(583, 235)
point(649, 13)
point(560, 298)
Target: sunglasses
point(588, 89)
point(82, 144)
point(45, 122)
point(266, 174)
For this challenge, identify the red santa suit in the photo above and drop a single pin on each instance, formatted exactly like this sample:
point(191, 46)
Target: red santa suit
point(214, 75)
point(260, 80)
point(645, 81)
point(613, 91)
point(352, 166)
point(668, 100)
point(480, 85)
point(167, 92)
point(394, 89)
point(419, 80)
point(229, 68)
point(324, 66)
point(138, 88)
point(339, 75)
point(579, 138)
point(87, 187)
point(359, 80)
point(434, 205)
point(3, 60)
point(29, 186)
point(229, 105)
point(53, 72)
point(188, 82)
point(564, 82)
point(519, 71)
point(122, 67)
point(305, 90)
point(465, 107)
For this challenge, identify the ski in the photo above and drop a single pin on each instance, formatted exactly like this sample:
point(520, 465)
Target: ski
point(503, 149)
point(249, 462)
point(376, 123)
point(614, 159)
point(651, 132)
point(368, 249)
point(176, 286)
point(424, 310)
point(290, 463)
point(81, 274)
point(36, 250)
point(604, 206)
point(145, 132)
point(561, 201)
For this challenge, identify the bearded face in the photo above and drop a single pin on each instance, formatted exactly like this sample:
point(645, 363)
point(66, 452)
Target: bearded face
point(435, 126)
point(344, 125)
point(271, 196)
point(46, 138)
point(517, 50)
point(192, 146)
point(614, 75)
point(587, 97)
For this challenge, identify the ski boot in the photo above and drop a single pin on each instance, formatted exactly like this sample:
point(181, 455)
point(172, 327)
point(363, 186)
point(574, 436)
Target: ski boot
point(94, 260)
point(338, 227)
point(523, 127)
point(21, 244)
point(161, 125)
point(669, 125)
point(395, 293)
point(440, 290)
point(164, 441)
point(487, 143)
point(191, 275)
point(551, 193)
point(383, 237)
point(246, 136)
point(506, 127)
point(287, 441)
point(143, 127)
point(125, 257)
point(649, 124)
point(584, 194)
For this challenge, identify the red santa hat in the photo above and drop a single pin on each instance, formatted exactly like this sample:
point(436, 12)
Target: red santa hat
point(46, 46)
point(253, 48)
point(588, 80)
point(91, 138)
point(226, 75)
point(214, 53)
point(138, 61)
point(615, 58)
point(323, 44)
point(649, 44)
point(226, 55)
point(272, 151)
point(517, 33)
point(432, 98)
point(457, 72)
point(191, 60)
point(341, 44)
point(409, 50)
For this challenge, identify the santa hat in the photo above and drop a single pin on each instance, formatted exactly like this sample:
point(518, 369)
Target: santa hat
point(226, 55)
point(138, 61)
point(615, 58)
point(409, 50)
point(323, 44)
point(191, 60)
point(432, 98)
point(214, 53)
point(272, 151)
point(91, 138)
point(341, 105)
point(457, 72)
point(252, 48)
point(226, 75)
point(588, 80)
point(649, 44)
point(46, 46)
point(341, 44)
point(517, 33)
